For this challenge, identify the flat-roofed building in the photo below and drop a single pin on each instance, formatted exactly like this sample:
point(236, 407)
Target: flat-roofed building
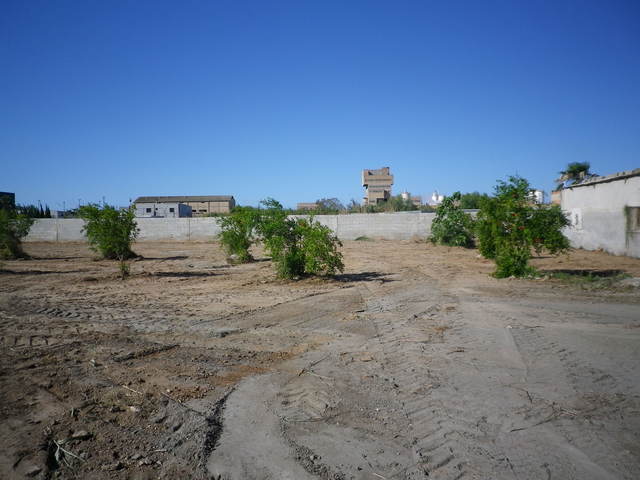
point(200, 204)
point(377, 184)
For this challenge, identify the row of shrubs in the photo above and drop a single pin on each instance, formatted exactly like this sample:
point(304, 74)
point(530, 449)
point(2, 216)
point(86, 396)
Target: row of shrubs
point(297, 247)
point(508, 227)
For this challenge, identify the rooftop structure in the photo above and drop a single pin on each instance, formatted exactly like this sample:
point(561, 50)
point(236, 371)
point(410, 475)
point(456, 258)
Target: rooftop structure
point(377, 184)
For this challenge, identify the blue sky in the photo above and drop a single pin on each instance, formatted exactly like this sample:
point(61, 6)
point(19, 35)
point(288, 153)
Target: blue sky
point(293, 99)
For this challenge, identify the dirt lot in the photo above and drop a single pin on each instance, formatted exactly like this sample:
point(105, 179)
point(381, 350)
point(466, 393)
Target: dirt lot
point(413, 364)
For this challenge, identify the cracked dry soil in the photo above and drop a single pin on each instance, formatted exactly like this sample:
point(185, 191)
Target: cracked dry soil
point(413, 364)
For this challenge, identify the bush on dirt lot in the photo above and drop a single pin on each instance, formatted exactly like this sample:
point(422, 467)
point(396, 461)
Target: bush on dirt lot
point(509, 226)
point(13, 228)
point(238, 233)
point(452, 226)
point(298, 246)
point(110, 231)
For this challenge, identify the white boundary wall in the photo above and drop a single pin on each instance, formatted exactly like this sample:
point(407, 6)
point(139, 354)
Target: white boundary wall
point(393, 226)
point(598, 212)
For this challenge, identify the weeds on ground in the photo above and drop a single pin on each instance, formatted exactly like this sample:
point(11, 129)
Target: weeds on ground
point(588, 280)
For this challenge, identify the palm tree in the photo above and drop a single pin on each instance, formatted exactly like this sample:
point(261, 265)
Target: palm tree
point(574, 172)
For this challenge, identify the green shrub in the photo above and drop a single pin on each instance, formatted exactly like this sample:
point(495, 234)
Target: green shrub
point(508, 227)
point(471, 200)
point(452, 226)
point(298, 246)
point(238, 230)
point(110, 231)
point(319, 248)
point(13, 228)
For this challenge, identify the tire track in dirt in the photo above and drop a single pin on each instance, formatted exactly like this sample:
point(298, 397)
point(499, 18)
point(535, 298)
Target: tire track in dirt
point(566, 404)
point(434, 434)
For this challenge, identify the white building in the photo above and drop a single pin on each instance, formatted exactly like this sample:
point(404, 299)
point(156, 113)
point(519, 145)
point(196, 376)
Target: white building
point(162, 210)
point(605, 213)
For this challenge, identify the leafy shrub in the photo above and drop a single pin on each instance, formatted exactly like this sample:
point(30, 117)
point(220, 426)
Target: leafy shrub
point(238, 230)
point(508, 226)
point(471, 200)
point(110, 231)
point(298, 246)
point(13, 228)
point(319, 248)
point(452, 226)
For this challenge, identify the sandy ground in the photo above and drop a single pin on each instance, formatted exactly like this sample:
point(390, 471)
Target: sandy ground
point(413, 364)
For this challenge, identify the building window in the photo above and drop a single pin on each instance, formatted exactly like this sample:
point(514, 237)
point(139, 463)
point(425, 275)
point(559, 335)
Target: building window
point(148, 210)
point(172, 210)
point(633, 218)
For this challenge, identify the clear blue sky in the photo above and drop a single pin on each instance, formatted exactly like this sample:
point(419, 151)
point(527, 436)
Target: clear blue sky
point(293, 99)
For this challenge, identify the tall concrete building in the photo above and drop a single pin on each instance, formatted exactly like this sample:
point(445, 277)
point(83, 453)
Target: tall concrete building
point(377, 184)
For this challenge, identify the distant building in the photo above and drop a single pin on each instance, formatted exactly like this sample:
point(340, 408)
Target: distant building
point(7, 200)
point(307, 206)
point(61, 213)
point(200, 204)
point(162, 210)
point(415, 200)
point(377, 184)
point(537, 196)
point(436, 198)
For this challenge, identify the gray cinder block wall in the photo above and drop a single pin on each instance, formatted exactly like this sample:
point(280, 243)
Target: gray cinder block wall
point(393, 226)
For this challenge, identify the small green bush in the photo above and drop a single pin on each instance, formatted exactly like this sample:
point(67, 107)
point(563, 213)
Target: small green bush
point(298, 246)
point(452, 226)
point(13, 228)
point(238, 232)
point(508, 227)
point(110, 231)
point(319, 248)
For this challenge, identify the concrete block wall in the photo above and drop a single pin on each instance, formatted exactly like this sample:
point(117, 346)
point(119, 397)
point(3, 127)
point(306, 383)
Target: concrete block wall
point(393, 226)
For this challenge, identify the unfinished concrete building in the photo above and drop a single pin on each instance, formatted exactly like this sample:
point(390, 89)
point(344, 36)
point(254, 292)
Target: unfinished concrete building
point(377, 184)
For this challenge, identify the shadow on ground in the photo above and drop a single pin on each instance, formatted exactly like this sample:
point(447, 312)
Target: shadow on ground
point(362, 277)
